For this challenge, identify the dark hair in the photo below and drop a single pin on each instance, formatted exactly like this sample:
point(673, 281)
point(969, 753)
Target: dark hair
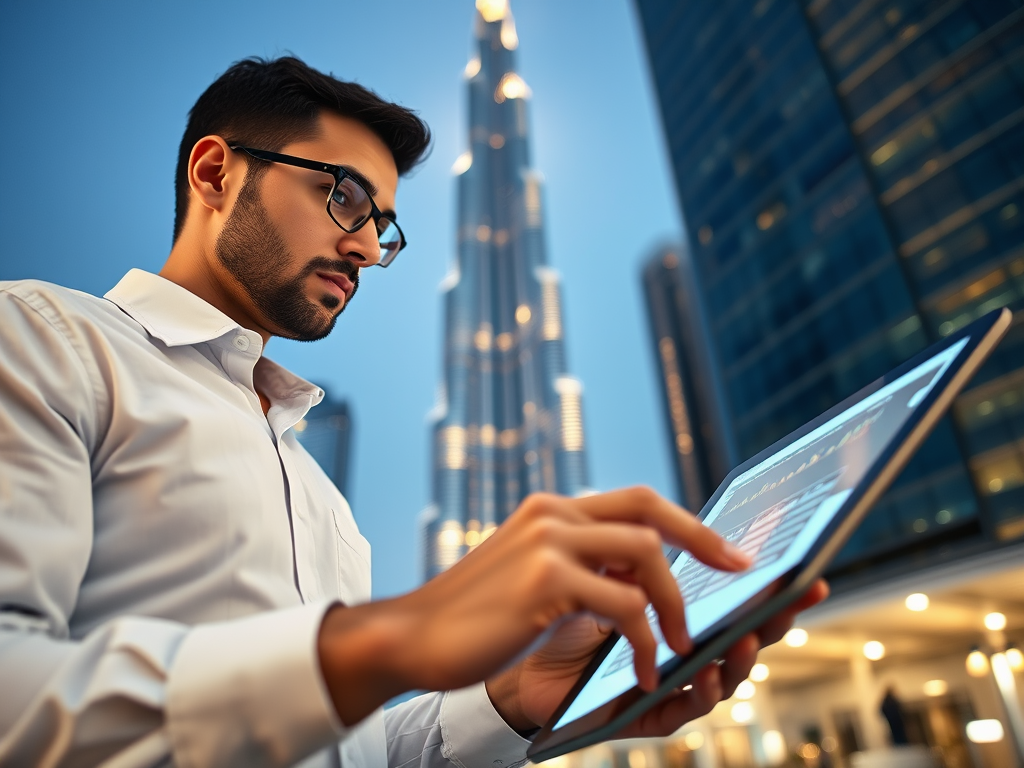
point(271, 103)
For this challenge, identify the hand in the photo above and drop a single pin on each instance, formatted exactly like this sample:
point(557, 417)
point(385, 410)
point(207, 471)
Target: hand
point(527, 694)
point(553, 558)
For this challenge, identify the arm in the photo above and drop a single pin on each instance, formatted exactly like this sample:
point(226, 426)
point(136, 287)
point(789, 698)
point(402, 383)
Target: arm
point(138, 688)
point(549, 569)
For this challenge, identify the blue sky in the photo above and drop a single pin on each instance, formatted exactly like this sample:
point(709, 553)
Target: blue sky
point(93, 100)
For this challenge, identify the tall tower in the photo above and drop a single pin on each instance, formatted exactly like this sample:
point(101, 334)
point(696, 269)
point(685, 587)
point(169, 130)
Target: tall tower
point(852, 179)
point(509, 419)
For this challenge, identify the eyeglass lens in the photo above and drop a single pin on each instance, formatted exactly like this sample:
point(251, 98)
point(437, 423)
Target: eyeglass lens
point(351, 206)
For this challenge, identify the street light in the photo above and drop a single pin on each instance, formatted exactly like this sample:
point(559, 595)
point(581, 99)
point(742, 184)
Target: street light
point(977, 663)
point(995, 621)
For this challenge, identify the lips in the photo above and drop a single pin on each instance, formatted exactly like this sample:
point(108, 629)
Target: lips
point(337, 284)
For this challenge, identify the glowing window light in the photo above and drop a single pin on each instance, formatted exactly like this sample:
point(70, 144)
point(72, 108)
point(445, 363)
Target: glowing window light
point(449, 544)
point(472, 68)
point(745, 690)
point(935, 688)
point(488, 434)
point(874, 650)
point(523, 314)
point(531, 199)
point(759, 672)
point(637, 758)
point(796, 637)
point(977, 663)
point(985, 731)
point(995, 621)
point(774, 747)
point(509, 38)
point(492, 10)
point(551, 314)
point(454, 441)
point(1015, 658)
point(694, 740)
point(511, 86)
point(462, 163)
point(572, 416)
point(917, 602)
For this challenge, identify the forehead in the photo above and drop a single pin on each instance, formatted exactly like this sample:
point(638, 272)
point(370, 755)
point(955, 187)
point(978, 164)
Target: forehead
point(348, 142)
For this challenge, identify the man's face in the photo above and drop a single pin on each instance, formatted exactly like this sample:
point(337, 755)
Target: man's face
point(295, 269)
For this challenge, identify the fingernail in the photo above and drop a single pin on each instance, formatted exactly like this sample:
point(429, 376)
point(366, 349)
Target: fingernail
point(737, 555)
point(685, 645)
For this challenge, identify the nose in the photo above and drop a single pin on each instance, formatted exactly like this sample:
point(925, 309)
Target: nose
point(361, 246)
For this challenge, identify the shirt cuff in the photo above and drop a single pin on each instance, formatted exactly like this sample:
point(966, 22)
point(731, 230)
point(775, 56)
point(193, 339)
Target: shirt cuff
point(474, 734)
point(250, 692)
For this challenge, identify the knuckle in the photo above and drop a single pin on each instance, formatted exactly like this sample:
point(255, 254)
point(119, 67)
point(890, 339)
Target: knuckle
point(543, 530)
point(545, 566)
point(643, 495)
point(649, 540)
point(635, 602)
point(537, 505)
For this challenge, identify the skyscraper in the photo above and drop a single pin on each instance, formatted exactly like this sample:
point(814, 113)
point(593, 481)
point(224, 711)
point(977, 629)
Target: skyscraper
point(851, 173)
point(852, 177)
point(326, 433)
point(509, 418)
point(694, 422)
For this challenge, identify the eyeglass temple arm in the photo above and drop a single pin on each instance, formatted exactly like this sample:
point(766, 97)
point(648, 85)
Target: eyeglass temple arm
point(277, 157)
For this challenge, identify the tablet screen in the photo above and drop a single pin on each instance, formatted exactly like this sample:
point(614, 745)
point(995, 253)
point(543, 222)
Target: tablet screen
point(775, 511)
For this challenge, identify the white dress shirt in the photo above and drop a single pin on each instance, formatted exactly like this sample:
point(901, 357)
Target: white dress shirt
point(167, 552)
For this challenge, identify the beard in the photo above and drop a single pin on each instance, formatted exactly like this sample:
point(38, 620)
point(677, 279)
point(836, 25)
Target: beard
point(252, 250)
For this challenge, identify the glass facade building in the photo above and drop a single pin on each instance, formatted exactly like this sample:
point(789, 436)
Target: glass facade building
point(692, 408)
point(509, 419)
point(326, 433)
point(851, 173)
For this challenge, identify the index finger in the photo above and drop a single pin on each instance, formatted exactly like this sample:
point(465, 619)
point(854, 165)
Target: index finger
point(642, 506)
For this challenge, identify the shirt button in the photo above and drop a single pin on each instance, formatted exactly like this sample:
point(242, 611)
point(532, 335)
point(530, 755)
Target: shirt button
point(241, 342)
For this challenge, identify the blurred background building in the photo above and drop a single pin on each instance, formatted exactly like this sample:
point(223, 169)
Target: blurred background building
point(326, 433)
point(509, 418)
point(851, 173)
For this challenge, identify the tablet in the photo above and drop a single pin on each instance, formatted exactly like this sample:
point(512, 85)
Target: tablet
point(791, 507)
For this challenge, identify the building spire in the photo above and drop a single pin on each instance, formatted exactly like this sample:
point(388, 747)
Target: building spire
point(511, 422)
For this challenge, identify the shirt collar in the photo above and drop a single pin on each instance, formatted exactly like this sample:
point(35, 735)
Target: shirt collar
point(178, 318)
point(167, 311)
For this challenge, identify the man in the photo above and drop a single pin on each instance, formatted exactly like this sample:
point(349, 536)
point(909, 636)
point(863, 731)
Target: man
point(181, 584)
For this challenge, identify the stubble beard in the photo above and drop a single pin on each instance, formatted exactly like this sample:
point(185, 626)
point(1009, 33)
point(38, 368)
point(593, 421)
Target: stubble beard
point(253, 251)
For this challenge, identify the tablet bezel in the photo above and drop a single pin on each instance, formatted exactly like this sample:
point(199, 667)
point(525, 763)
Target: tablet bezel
point(602, 723)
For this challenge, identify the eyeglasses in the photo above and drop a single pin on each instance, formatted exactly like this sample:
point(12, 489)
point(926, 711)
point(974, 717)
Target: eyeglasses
point(348, 204)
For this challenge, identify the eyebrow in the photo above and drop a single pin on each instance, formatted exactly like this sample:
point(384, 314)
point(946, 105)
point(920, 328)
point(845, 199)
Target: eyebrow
point(369, 186)
point(364, 182)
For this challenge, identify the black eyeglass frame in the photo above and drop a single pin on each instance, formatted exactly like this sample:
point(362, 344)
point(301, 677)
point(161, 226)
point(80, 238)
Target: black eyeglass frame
point(340, 174)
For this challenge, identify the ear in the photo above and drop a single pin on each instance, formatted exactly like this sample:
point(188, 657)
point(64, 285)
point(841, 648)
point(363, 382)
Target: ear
point(215, 173)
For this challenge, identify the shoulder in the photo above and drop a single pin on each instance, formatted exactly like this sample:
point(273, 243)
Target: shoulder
point(47, 299)
point(46, 308)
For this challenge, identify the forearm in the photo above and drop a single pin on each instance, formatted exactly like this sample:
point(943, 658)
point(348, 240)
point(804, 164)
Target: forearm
point(145, 690)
